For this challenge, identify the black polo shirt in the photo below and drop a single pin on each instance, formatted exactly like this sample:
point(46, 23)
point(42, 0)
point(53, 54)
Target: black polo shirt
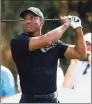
point(37, 69)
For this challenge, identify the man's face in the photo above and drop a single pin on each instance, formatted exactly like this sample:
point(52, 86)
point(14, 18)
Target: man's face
point(32, 23)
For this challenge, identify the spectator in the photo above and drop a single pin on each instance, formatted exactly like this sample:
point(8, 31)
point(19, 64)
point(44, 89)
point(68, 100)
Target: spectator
point(7, 83)
point(79, 71)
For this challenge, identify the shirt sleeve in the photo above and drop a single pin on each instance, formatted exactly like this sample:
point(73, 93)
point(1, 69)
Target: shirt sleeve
point(62, 47)
point(20, 44)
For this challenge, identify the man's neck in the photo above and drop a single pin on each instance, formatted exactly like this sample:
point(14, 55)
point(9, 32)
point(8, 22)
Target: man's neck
point(34, 34)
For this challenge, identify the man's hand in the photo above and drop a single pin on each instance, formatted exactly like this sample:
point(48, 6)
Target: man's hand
point(65, 20)
point(75, 21)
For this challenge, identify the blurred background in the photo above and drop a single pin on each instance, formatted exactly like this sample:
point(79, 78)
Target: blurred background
point(10, 26)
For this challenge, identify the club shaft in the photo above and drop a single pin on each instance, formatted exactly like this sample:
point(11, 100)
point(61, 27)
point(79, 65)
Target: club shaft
point(54, 19)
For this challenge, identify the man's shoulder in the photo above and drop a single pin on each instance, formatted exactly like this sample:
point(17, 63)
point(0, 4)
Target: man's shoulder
point(18, 36)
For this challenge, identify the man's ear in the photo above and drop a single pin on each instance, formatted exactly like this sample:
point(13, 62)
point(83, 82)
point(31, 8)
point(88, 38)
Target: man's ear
point(42, 22)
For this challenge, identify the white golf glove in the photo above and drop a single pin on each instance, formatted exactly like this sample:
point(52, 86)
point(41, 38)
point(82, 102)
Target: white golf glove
point(75, 21)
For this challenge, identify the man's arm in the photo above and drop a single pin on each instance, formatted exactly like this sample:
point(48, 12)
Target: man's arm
point(79, 50)
point(49, 38)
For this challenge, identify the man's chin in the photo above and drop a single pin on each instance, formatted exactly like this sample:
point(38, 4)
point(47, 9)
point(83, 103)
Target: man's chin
point(30, 31)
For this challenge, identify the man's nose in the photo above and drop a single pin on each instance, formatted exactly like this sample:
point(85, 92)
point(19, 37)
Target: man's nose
point(29, 21)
